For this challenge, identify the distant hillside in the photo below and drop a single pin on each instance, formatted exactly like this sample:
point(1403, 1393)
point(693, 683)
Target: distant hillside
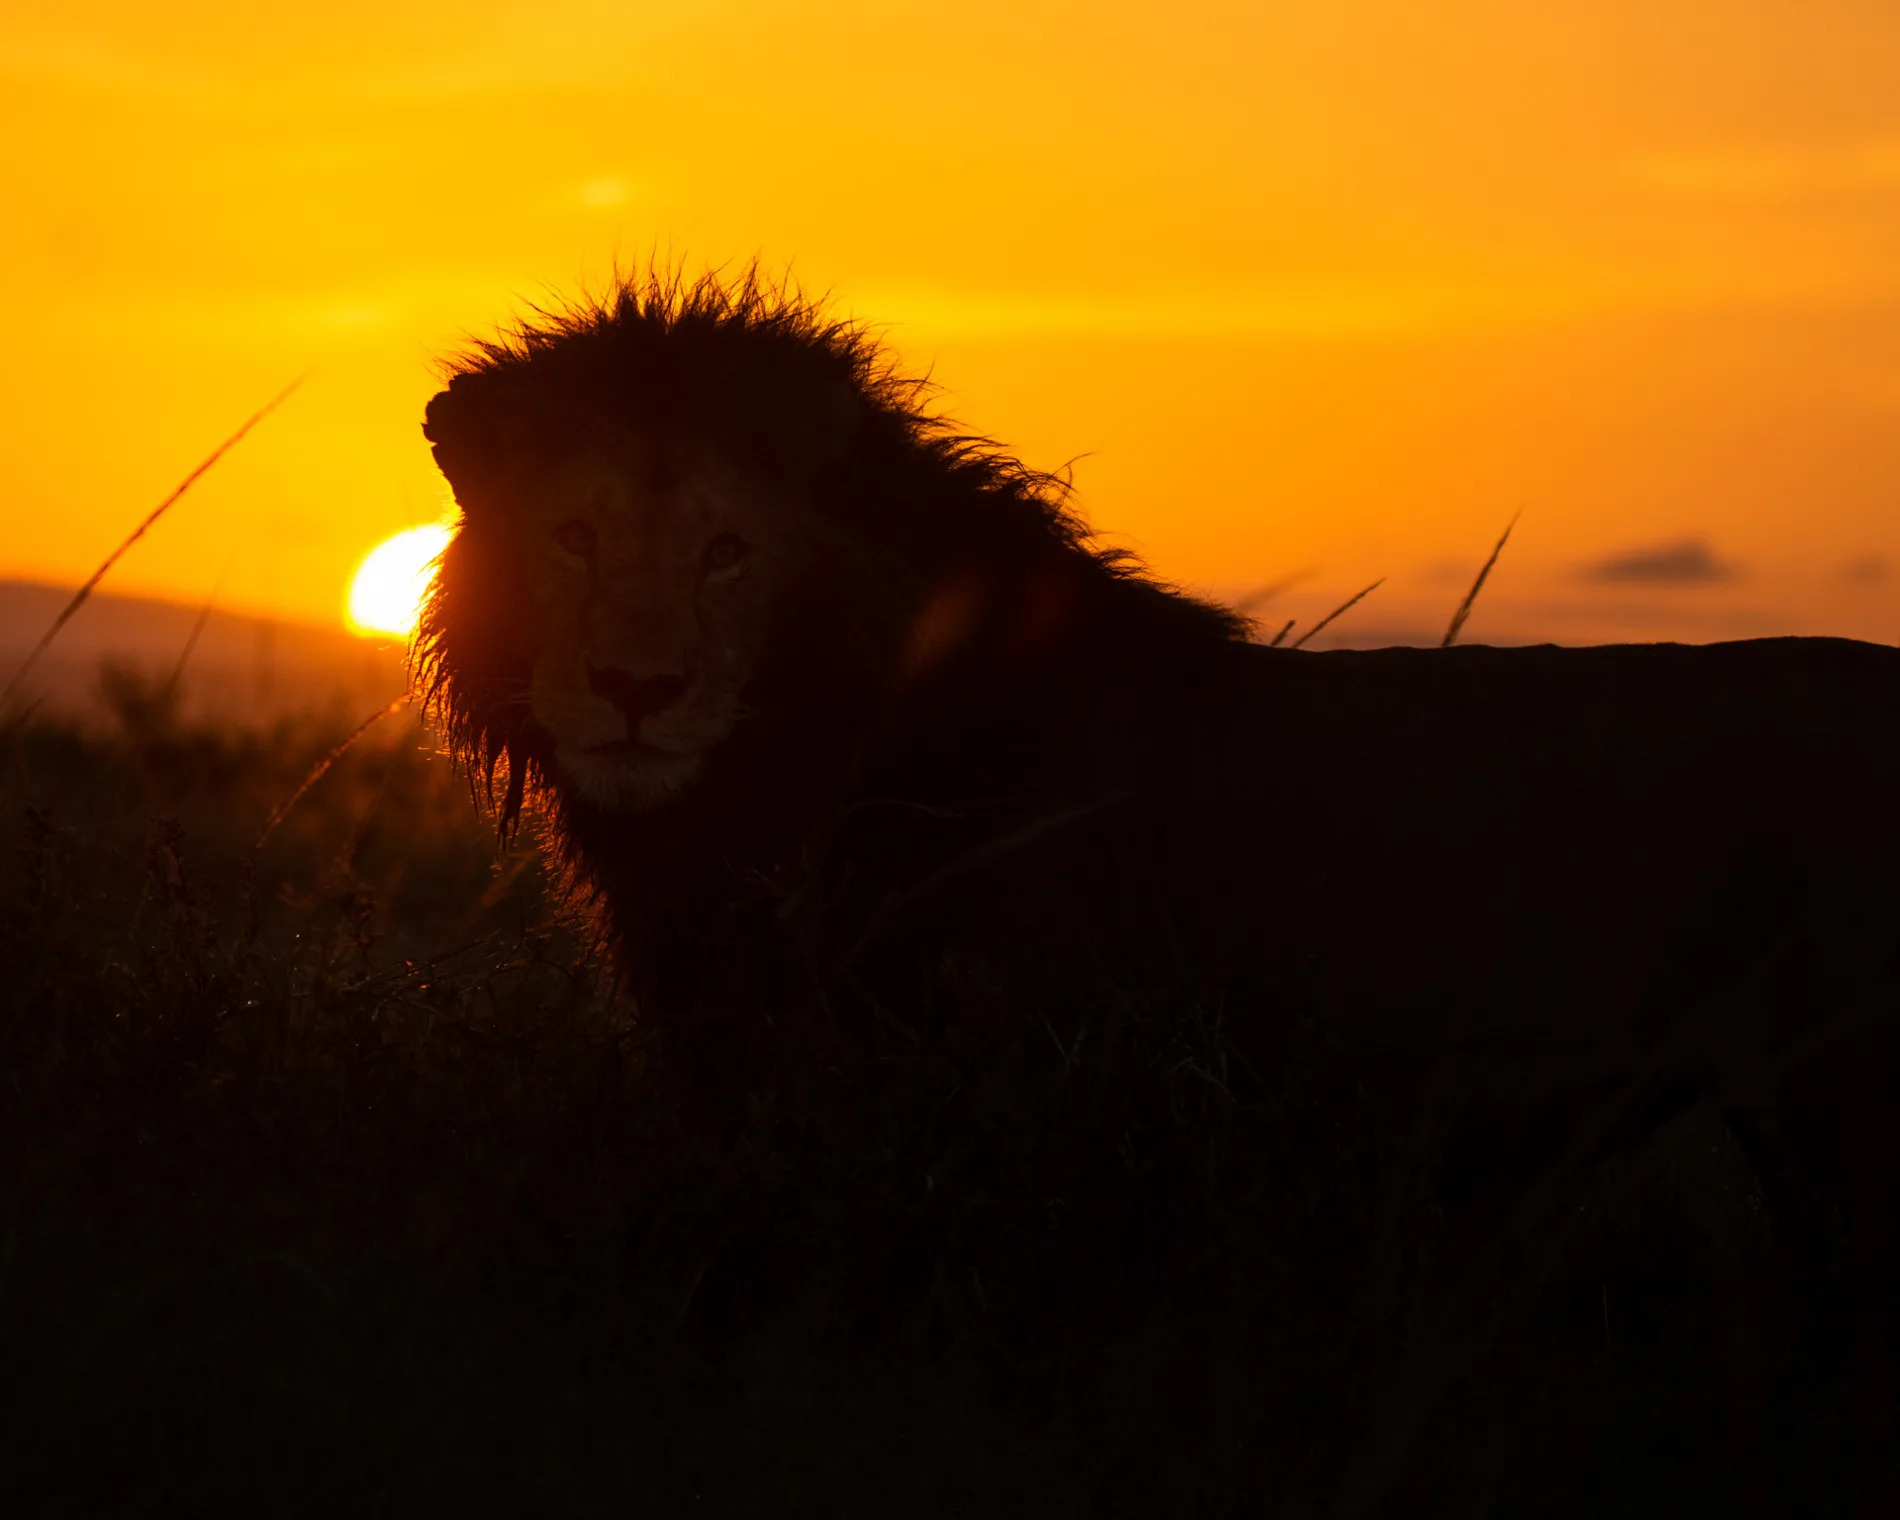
point(242, 669)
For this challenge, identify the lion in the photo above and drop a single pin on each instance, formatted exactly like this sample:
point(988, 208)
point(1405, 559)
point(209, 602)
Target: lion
point(844, 720)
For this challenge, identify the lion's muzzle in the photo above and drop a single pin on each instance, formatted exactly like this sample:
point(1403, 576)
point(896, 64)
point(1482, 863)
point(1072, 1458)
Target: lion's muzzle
point(637, 697)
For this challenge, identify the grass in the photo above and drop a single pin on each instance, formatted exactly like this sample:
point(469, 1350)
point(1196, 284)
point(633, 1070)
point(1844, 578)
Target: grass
point(336, 1178)
point(1458, 618)
point(79, 597)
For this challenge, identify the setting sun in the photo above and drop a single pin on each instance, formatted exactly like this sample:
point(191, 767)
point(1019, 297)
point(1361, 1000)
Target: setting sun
point(387, 589)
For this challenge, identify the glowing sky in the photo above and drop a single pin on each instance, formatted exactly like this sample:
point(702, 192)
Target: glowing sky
point(1330, 286)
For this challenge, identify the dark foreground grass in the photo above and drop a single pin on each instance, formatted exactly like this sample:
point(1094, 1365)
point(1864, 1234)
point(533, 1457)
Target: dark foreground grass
point(337, 1181)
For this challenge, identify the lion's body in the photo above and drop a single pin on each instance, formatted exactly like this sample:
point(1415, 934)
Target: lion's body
point(936, 761)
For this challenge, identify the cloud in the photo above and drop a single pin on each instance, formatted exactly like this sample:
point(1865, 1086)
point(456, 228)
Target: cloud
point(1291, 309)
point(605, 194)
point(1867, 570)
point(1683, 562)
point(1869, 166)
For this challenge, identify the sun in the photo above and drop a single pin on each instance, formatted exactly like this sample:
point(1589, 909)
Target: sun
point(387, 590)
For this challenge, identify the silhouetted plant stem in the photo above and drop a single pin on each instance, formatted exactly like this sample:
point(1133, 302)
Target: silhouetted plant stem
point(79, 596)
point(1343, 607)
point(1464, 607)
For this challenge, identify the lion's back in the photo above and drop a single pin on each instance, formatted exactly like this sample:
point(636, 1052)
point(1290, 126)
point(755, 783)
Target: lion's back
point(1476, 844)
point(1561, 884)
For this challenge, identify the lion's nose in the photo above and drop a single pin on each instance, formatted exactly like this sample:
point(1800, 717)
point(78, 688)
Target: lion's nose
point(636, 696)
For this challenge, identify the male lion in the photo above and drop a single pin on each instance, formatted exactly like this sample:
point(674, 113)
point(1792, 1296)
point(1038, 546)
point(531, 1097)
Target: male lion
point(846, 724)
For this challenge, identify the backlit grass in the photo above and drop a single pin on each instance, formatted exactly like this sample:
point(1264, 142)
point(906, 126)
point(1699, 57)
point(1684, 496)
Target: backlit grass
point(335, 1178)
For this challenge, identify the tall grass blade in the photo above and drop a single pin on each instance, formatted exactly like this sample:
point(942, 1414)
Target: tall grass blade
point(79, 596)
point(197, 629)
point(1464, 607)
point(1260, 596)
point(317, 771)
point(1344, 607)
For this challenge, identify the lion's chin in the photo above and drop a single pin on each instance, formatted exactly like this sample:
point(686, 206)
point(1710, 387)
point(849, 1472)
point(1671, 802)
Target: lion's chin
point(624, 778)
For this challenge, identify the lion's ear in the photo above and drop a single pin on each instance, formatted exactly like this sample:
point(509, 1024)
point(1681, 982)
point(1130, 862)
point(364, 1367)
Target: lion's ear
point(468, 428)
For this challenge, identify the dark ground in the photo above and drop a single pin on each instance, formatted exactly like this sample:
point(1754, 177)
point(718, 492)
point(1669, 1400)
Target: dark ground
point(337, 1182)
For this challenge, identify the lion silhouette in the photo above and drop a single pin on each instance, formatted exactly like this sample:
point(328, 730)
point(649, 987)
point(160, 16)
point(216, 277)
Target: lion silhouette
point(842, 720)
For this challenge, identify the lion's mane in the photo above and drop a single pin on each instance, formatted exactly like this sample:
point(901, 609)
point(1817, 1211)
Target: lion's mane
point(975, 596)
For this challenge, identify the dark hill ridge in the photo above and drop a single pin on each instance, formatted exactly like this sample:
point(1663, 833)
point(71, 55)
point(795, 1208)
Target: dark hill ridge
point(243, 669)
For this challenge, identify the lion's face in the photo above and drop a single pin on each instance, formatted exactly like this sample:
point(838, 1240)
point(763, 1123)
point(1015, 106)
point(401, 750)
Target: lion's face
point(656, 573)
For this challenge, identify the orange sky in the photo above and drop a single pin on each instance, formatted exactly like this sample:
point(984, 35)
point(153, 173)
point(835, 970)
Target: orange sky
point(1330, 286)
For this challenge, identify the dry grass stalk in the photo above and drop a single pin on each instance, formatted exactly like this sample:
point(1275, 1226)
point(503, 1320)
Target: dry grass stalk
point(1262, 596)
point(1464, 607)
point(197, 630)
point(79, 596)
point(317, 771)
point(1344, 607)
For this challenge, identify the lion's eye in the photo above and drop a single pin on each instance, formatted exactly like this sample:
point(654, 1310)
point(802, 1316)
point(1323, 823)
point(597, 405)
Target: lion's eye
point(577, 538)
point(725, 551)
